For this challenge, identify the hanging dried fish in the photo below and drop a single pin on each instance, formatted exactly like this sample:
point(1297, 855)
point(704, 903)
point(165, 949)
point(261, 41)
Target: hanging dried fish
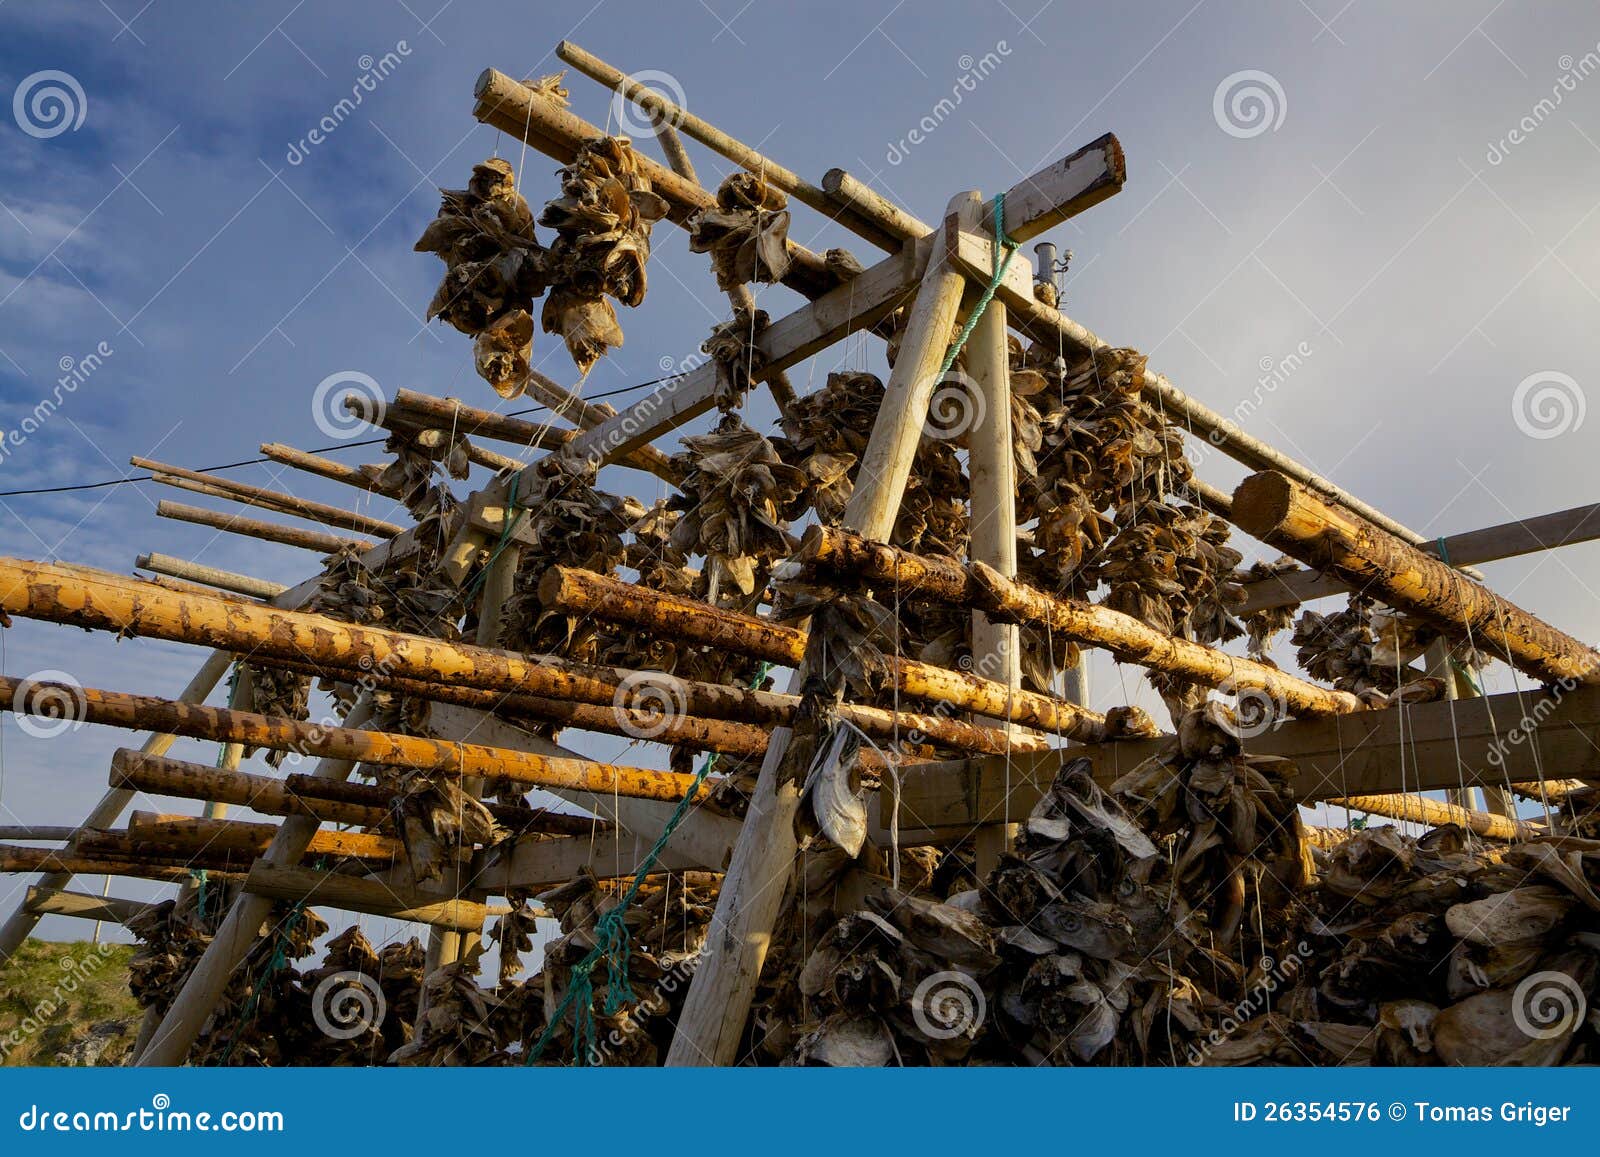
point(747, 234)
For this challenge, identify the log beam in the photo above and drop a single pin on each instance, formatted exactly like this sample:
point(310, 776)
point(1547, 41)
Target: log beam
point(1375, 562)
point(837, 552)
point(259, 528)
point(276, 501)
point(227, 580)
point(388, 749)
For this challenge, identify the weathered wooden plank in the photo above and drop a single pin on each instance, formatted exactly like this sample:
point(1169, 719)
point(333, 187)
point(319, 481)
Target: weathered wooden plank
point(1500, 738)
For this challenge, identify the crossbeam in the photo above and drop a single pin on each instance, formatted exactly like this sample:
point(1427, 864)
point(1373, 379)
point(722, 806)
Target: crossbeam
point(1490, 741)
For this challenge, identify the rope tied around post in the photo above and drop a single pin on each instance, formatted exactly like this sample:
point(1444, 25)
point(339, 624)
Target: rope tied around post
point(611, 936)
point(1000, 267)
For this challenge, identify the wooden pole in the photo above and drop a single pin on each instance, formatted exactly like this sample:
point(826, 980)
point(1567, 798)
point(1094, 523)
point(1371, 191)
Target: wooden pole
point(1507, 540)
point(227, 580)
point(219, 724)
point(21, 922)
point(68, 863)
point(450, 414)
point(1123, 635)
point(53, 902)
point(891, 218)
point(273, 500)
point(720, 142)
point(60, 594)
point(1419, 809)
point(328, 468)
point(262, 793)
point(258, 528)
point(996, 648)
point(1371, 560)
point(357, 894)
point(584, 592)
point(719, 997)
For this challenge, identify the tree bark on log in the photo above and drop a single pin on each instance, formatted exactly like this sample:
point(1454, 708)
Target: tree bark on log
point(1130, 640)
point(1372, 560)
point(586, 593)
point(221, 725)
point(158, 775)
point(60, 594)
point(67, 863)
point(1419, 809)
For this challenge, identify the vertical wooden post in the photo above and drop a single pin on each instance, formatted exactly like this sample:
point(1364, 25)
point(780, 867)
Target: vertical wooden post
point(171, 1042)
point(445, 945)
point(719, 997)
point(105, 813)
point(993, 524)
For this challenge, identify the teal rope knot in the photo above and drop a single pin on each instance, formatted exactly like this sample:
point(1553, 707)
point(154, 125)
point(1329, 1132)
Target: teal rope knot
point(1000, 266)
point(612, 943)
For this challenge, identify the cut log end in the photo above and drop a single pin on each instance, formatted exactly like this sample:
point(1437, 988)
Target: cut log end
point(1261, 502)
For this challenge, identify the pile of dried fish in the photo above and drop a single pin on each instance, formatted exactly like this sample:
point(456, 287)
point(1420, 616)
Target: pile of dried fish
point(1368, 650)
point(667, 928)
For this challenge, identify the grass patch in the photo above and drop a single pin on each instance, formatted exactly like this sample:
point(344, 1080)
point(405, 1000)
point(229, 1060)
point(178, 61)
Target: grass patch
point(67, 1004)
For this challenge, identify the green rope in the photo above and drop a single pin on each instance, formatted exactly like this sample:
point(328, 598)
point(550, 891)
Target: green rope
point(1000, 268)
point(275, 963)
point(611, 936)
point(506, 526)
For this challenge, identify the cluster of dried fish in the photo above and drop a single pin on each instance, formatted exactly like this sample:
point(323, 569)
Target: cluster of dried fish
point(747, 233)
point(495, 268)
point(738, 497)
point(1368, 650)
point(403, 595)
point(1265, 624)
point(1436, 950)
point(666, 926)
point(602, 221)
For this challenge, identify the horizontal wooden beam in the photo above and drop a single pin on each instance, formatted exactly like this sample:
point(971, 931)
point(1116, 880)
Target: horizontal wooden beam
point(259, 528)
point(1506, 540)
point(539, 863)
point(1272, 505)
point(1421, 747)
point(227, 580)
point(359, 894)
point(53, 902)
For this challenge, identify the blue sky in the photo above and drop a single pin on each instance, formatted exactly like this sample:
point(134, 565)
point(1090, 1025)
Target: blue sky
point(1383, 218)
